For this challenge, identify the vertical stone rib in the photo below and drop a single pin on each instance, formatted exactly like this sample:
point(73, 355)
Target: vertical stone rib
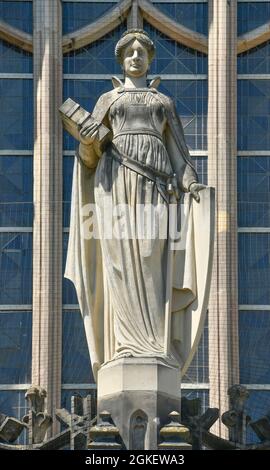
point(222, 156)
point(135, 19)
point(47, 229)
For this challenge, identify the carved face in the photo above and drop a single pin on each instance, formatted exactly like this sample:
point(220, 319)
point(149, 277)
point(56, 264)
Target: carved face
point(135, 59)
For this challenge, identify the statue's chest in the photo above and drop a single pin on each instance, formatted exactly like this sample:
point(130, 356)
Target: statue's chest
point(138, 111)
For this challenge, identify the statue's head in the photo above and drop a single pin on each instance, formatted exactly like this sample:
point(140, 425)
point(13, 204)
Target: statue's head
point(135, 51)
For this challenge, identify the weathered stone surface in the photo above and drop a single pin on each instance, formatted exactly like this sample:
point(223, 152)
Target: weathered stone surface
point(175, 435)
point(139, 387)
point(104, 435)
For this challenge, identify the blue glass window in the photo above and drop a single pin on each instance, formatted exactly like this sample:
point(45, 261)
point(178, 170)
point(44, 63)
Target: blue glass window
point(190, 97)
point(253, 114)
point(256, 60)
point(198, 371)
point(15, 347)
point(172, 57)
point(191, 15)
point(67, 186)
point(251, 15)
point(77, 15)
point(13, 403)
point(67, 394)
point(69, 293)
point(76, 366)
point(98, 57)
point(257, 406)
point(203, 395)
point(17, 14)
point(16, 182)
point(254, 268)
point(15, 268)
point(254, 346)
point(85, 92)
point(201, 165)
point(16, 102)
point(14, 60)
point(253, 191)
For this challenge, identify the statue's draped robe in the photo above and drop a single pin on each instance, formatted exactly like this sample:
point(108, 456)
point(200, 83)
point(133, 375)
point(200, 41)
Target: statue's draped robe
point(121, 283)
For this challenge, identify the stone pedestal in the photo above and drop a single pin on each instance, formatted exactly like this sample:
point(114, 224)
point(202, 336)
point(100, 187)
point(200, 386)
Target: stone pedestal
point(139, 393)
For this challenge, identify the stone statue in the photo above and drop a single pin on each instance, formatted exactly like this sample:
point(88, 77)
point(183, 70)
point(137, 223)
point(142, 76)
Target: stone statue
point(125, 284)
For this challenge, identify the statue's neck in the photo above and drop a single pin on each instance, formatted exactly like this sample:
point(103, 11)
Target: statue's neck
point(132, 82)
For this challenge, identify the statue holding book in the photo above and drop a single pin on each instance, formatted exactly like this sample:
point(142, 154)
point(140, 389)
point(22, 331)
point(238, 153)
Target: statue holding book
point(139, 298)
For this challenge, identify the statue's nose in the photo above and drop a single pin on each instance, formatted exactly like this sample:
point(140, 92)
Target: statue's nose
point(135, 55)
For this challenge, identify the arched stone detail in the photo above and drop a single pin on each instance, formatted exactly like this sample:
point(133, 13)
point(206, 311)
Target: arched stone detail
point(16, 37)
point(99, 28)
point(253, 38)
point(171, 28)
point(138, 430)
point(118, 14)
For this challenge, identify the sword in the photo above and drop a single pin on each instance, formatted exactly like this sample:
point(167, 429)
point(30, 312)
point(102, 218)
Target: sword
point(172, 189)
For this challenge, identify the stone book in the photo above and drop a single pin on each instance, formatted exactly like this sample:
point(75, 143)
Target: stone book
point(74, 117)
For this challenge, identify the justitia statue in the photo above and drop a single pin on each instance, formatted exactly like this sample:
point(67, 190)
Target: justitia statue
point(143, 304)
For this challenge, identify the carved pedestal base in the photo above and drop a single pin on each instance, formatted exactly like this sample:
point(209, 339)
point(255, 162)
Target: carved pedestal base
point(139, 393)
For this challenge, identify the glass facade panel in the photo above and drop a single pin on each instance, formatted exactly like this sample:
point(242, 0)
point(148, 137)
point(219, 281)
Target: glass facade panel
point(254, 345)
point(251, 15)
point(191, 15)
point(15, 347)
point(76, 15)
point(76, 366)
point(13, 403)
point(253, 114)
point(98, 57)
point(16, 102)
point(17, 14)
point(256, 60)
point(172, 57)
point(201, 165)
point(15, 268)
point(257, 406)
point(67, 394)
point(16, 182)
point(14, 60)
point(254, 268)
point(69, 293)
point(253, 191)
point(198, 371)
point(203, 395)
point(190, 98)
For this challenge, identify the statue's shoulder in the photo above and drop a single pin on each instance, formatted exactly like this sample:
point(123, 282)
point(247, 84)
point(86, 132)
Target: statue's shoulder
point(104, 103)
point(166, 100)
point(107, 97)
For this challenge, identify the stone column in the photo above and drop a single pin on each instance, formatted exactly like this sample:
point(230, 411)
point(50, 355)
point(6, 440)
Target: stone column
point(222, 170)
point(135, 19)
point(47, 230)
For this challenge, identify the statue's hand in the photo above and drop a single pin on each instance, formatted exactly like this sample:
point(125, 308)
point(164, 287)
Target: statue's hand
point(194, 190)
point(89, 132)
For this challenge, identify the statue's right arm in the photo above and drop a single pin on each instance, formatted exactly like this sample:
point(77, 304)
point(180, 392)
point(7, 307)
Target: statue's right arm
point(89, 148)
